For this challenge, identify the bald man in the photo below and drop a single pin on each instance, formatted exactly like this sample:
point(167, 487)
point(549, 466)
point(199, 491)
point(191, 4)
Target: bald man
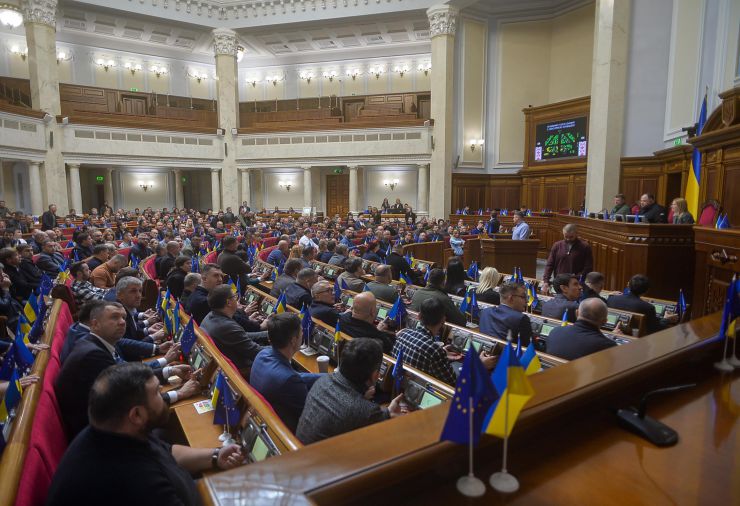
point(360, 322)
point(279, 254)
point(323, 303)
point(381, 286)
point(583, 337)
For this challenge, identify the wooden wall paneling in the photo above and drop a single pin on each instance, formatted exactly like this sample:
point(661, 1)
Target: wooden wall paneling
point(713, 270)
point(731, 191)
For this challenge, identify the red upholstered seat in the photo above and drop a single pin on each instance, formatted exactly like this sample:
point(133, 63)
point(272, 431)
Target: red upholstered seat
point(271, 241)
point(35, 481)
point(635, 209)
point(149, 268)
point(210, 258)
point(708, 214)
point(67, 252)
point(124, 251)
point(262, 255)
point(670, 214)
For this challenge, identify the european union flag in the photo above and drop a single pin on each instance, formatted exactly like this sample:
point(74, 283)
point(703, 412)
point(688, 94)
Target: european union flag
point(426, 276)
point(188, 338)
point(474, 394)
point(306, 323)
point(8, 365)
point(344, 285)
point(473, 308)
point(12, 397)
point(398, 372)
point(38, 326)
point(46, 285)
point(280, 267)
point(681, 306)
point(723, 222)
point(519, 277)
point(398, 312)
point(731, 310)
point(465, 302)
point(194, 264)
point(226, 411)
point(337, 291)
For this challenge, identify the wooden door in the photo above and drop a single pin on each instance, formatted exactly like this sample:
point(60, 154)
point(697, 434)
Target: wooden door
point(352, 108)
point(425, 108)
point(134, 105)
point(337, 194)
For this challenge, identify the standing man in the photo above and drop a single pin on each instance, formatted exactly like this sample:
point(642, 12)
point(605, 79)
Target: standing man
point(569, 256)
point(49, 218)
point(493, 225)
point(521, 229)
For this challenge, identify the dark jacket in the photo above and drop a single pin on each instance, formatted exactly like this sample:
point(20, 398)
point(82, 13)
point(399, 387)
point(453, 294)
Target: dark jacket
point(360, 328)
point(297, 295)
point(10, 308)
point(577, 340)
point(588, 293)
point(399, 265)
point(163, 266)
point(490, 296)
point(324, 312)
point(558, 305)
point(92, 468)
point(140, 251)
point(493, 226)
point(176, 282)
point(83, 252)
point(21, 288)
point(31, 272)
point(498, 321)
point(197, 304)
point(372, 257)
point(234, 267)
point(281, 283)
point(653, 213)
point(232, 340)
point(635, 304)
point(50, 264)
point(48, 221)
point(452, 312)
point(325, 256)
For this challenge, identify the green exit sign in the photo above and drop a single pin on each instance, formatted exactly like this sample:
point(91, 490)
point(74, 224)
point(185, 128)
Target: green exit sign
point(133, 89)
point(184, 180)
point(100, 178)
point(677, 142)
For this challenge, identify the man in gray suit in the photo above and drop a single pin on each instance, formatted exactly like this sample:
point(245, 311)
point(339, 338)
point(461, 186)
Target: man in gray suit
point(382, 287)
point(287, 278)
point(50, 260)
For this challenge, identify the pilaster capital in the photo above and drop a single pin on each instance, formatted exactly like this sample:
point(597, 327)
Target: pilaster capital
point(422, 166)
point(306, 167)
point(40, 11)
point(177, 171)
point(224, 42)
point(215, 170)
point(442, 20)
point(33, 163)
point(73, 166)
point(353, 167)
point(244, 170)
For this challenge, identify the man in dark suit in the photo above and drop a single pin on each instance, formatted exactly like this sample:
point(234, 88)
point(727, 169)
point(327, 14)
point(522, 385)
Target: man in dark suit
point(197, 304)
point(322, 306)
point(176, 279)
point(30, 271)
point(565, 302)
point(166, 263)
point(290, 271)
point(593, 285)
point(274, 377)
point(650, 211)
point(231, 265)
point(93, 354)
point(584, 337)
point(125, 406)
point(509, 316)
point(50, 260)
point(83, 247)
point(639, 285)
point(232, 340)
point(360, 322)
point(144, 332)
point(298, 293)
point(49, 218)
point(398, 264)
point(493, 225)
point(141, 249)
point(20, 288)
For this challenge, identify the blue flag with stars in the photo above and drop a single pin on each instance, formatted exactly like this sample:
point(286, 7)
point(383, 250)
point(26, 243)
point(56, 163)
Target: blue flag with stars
point(398, 372)
point(188, 338)
point(226, 411)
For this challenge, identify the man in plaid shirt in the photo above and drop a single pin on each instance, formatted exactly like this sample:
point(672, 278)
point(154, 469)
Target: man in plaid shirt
point(82, 289)
point(420, 349)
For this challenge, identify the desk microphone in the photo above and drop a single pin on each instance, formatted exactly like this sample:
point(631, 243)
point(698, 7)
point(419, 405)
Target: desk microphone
point(635, 420)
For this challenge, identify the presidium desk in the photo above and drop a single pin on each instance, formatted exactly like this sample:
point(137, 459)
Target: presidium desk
point(566, 448)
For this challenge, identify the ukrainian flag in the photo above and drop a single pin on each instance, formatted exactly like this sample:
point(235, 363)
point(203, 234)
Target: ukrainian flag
point(530, 361)
point(694, 180)
point(280, 304)
point(337, 335)
point(514, 391)
point(12, 397)
point(232, 286)
point(565, 319)
point(31, 309)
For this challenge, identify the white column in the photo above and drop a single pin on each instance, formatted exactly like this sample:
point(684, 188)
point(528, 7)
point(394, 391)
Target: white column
point(422, 195)
point(34, 181)
point(224, 47)
point(75, 189)
point(307, 190)
point(215, 190)
point(108, 188)
point(608, 88)
point(353, 189)
point(179, 198)
point(442, 23)
point(246, 188)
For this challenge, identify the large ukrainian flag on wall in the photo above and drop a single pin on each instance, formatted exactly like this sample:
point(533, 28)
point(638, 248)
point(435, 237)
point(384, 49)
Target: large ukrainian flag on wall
point(694, 179)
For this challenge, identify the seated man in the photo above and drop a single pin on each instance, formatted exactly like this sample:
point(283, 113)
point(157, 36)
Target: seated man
point(50, 260)
point(239, 346)
point(274, 377)
point(398, 263)
point(360, 322)
point(565, 302)
point(93, 354)
point(197, 304)
point(125, 406)
point(176, 279)
point(191, 282)
point(290, 271)
point(82, 289)
point(279, 254)
point(381, 286)
point(339, 256)
point(435, 290)
point(639, 285)
point(101, 254)
point(352, 275)
point(509, 316)
point(584, 337)
point(83, 247)
point(9, 307)
point(308, 255)
point(593, 285)
point(322, 307)
point(20, 288)
point(298, 293)
point(371, 253)
point(325, 256)
point(104, 275)
point(231, 264)
point(337, 404)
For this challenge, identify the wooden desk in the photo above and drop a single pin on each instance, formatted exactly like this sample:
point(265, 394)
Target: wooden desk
point(199, 430)
point(308, 363)
point(506, 254)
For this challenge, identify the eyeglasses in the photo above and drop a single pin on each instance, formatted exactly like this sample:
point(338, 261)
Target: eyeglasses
point(522, 296)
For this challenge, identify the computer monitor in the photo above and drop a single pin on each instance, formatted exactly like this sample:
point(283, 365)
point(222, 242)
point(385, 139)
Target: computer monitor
point(260, 450)
point(382, 313)
point(659, 310)
point(546, 329)
point(350, 301)
point(198, 358)
point(268, 308)
point(612, 318)
point(429, 400)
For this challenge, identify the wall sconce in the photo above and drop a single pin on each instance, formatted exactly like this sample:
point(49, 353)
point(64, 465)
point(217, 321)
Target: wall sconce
point(330, 75)
point(253, 81)
point(105, 64)
point(425, 67)
point(159, 70)
point(353, 73)
point(377, 71)
point(239, 53)
point(145, 186)
point(198, 76)
point(274, 79)
point(391, 183)
point(10, 14)
point(285, 184)
point(401, 69)
point(19, 51)
point(306, 75)
point(63, 56)
point(476, 142)
point(133, 67)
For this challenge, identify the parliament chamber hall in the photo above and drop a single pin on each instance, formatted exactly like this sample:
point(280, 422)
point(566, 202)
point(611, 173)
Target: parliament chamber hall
point(356, 252)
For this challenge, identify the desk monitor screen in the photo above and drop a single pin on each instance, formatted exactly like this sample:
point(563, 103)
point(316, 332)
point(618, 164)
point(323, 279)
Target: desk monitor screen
point(329, 272)
point(259, 450)
point(268, 308)
point(251, 297)
point(659, 310)
point(350, 301)
point(546, 329)
point(429, 400)
point(612, 318)
point(475, 344)
point(198, 358)
point(382, 313)
point(561, 139)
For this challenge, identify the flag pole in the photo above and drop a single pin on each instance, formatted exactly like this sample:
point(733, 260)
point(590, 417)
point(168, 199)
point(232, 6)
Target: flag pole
point(470, 485)
point(503, 481)
point(724, 365)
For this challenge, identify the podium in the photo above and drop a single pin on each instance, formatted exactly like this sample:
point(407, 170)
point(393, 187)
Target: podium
point(505, 254)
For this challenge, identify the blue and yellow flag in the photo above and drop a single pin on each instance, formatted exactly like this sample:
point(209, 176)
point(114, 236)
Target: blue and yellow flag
point(473, 308)
point(337, 334)
point(564, 319)
point(23, 356)
point(402, 278)
point(473, 271)
point(12, 397)
point(474, 394)
point(188, 338)
point(24, 326)
point(280, 304)
point(530, 361)
point(532, 299)
point(514, 391)
point(693, 182)
point(8, 365)
point(731, 311)
point(337, 291)
point(681, 306)
point(224, 405)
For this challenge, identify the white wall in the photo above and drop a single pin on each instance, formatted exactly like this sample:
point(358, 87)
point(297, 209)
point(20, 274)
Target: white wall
point(157, 196)
point(277, 196)
point(376, 191)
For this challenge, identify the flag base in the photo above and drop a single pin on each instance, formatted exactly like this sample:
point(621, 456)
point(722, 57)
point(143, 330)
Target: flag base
point(228, 441)
point(504, 482)
point(724, 365)
point(471, 486)
point(224, 436)
point(734, 362)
